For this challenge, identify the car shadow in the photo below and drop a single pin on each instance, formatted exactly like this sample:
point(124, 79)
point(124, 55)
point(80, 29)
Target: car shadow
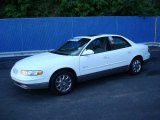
point(102, 80)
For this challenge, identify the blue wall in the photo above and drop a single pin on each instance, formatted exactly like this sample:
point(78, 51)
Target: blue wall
point(49, 33)
point(158, 30)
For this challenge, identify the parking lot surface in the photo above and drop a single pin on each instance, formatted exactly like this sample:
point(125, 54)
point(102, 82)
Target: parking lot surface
point(115, 97)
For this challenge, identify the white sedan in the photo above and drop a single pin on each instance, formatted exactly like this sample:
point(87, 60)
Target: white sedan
point(80, 58)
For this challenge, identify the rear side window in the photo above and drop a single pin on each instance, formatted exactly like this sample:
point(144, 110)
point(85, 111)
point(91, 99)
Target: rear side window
point(118, 43)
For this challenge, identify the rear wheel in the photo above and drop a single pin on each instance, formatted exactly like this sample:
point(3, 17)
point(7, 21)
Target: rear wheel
point(62, 82)
point(135, 66)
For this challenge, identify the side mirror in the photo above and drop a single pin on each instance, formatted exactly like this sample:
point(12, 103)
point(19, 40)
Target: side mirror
point(87, 52)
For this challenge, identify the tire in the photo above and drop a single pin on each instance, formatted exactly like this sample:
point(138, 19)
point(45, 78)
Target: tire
point(135, 66)
point(62, 82)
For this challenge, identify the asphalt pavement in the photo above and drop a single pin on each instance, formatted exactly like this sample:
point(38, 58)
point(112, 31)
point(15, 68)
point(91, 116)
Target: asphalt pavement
point(115, 97)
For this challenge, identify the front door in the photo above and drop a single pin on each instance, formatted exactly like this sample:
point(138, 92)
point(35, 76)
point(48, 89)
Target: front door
point(95, 62)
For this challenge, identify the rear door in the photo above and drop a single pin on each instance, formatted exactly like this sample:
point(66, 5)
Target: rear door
point(119, 53)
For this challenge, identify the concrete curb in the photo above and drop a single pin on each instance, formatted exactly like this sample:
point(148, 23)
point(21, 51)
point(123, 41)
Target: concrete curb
point(23, 53)
point(154, 44)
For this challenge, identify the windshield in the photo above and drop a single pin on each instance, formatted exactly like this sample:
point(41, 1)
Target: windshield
point(72, 47)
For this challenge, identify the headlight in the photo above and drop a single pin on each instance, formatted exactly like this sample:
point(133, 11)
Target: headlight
point(31, 72)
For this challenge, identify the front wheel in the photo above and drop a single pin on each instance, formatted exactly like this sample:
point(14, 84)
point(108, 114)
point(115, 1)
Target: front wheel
point(62, 82)
point(135, 66)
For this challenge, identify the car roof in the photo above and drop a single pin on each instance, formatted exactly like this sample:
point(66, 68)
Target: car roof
point(92, 37)
point(96, 36)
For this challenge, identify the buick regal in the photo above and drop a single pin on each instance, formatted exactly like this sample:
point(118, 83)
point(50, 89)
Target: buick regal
point(80, 58)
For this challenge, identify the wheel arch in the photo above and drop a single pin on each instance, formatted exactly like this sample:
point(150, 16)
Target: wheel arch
point(138, 56)
point(64, 69)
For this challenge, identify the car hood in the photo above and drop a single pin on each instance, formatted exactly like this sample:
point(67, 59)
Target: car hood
point(39, 61)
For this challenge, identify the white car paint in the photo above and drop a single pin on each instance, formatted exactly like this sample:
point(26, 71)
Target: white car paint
point(49, 63)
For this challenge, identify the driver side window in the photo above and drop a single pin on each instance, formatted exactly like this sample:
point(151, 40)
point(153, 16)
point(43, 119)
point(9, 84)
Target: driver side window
point(98, 45)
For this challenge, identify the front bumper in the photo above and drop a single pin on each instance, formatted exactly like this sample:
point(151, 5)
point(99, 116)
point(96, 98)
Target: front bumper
point(31, 86)
point(30, 82)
